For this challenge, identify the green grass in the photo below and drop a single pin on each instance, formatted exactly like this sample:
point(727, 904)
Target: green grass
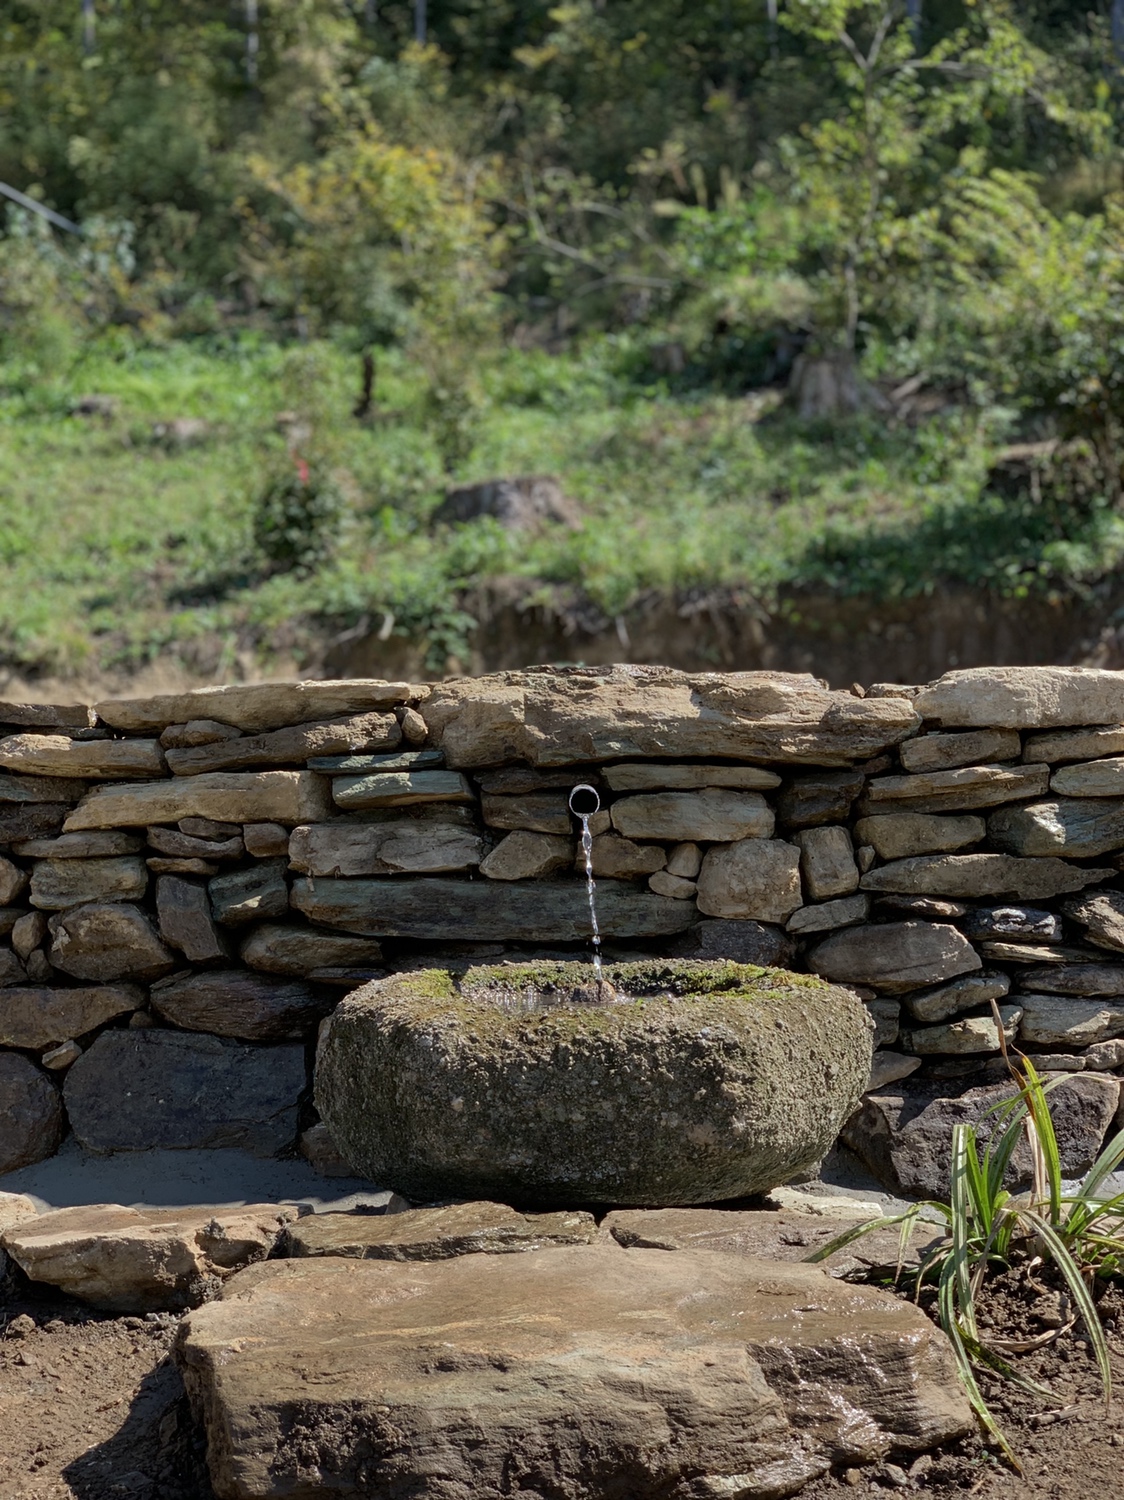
point(115, 549)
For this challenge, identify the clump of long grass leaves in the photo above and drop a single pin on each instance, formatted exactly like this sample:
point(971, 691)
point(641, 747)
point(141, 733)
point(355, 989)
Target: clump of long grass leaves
point(990, 1230)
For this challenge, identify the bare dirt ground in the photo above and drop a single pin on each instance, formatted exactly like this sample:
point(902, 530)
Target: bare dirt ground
point(92, 1408)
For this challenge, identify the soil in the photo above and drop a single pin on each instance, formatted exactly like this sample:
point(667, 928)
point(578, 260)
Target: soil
point(92, 1408)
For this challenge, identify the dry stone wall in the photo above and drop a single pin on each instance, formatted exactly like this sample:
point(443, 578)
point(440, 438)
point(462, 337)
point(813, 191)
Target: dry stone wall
point(189, 883)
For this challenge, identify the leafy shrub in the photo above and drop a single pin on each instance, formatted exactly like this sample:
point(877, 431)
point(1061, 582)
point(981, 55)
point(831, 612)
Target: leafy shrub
point(297, 518)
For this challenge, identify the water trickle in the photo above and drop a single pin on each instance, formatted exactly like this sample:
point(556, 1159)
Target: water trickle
point(584, 802)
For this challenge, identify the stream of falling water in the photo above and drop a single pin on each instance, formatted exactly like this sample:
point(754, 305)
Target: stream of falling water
point(593, 804)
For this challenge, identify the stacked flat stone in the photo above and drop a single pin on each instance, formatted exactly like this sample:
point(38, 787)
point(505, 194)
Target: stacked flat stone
point(190, 882)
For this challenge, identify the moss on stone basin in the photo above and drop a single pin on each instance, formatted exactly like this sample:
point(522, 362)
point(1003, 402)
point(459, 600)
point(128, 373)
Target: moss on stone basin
point(683, 1082)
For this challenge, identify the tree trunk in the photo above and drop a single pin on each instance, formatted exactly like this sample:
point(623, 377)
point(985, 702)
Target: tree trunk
point(366, 398)
point(829, 386)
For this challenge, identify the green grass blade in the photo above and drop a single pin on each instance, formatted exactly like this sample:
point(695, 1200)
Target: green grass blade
point(946, 1305)
point(856, 1232)
point(1106, 1163)
point(1060, 1254)
point(963, 1154)
point(1038, 1110)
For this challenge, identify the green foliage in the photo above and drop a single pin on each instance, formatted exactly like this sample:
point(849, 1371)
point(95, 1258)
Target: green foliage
point(296, 518)
point(1079, 1235)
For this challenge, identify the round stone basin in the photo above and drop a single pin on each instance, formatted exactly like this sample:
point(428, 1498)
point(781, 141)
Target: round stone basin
point(674, 1083)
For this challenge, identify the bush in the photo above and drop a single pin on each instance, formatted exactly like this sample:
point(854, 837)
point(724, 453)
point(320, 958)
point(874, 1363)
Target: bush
point(297, 518)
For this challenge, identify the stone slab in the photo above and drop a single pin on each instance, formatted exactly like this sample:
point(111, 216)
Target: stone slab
point(713, 815)
point(576, 715)
point(250, 895)
point(1023, 697)
point(400, 789)
point(257, 707)
point(757, 878)
point(1027, 924)
point(1094, 778)
point(104, 760)
point(128, 1260)
point(528, 856)
point(965, 993)
point(139, 1090)
point(31, 1115)
point(739, 941)
point(901, 835)
point(617, 858)
point(438, 1233)
point(1075, 979)
point(453, 910)
point(846, 911)
point(401, 846)
point(818, 797)
point(944, 752)
point(288, 797)
point(292, 746)
point(47, 715)
point(38, 1017)
point(40, 788)
point(60, 883)
point(1101, 913)
point(179, 845)
point(13, 882)
point(546, 1344)
point(895, 956)
point(1054, 1021)
point(304, 952)
point(1079, 827)
point(969, 1036)
point(107, 942)
point(354, 765)
point(94, 845)
point(537, 812)
point(976, 876)
point(1074, 744)
point(234, 1003)
point(646, 776)
point(30, 820)
point(827, 862)
point(196, 732)
point(954, 791)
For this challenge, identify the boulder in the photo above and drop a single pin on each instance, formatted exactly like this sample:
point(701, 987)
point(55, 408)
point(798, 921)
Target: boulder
point(968, 1036)
point(59, 883)
point(944, 752)
point(97, 844)
point(400, 789)
point(972, 876)
point(739, 942)
point(827, 862)
point(304, 952)
point(1054, 1021)
point(685, 860)
point(1081, 828)
point(39, 788)
point(954, 791)
point(151, 1089)
point(39, 1017)
point(438, 1233)
point(895, 957)
point(672, 885)
point(527, 856)
point(31, 1117)
point(292, 746)
point(905, 1135)
point(568, 716)
point(108, 942)
point(103, 760)
point(651, 776)
point(184, 911)
point(481, 911)
point(231, 1002)
point(714, 814)
point(250, 895)
point(757, 878)
point(1096, 778)
point(844, 912)
point(1101, 913)
point(617, 858)
point(1074, 744)
point(138, 1260)
point(400, 846)
point(28, 932)
point(899, 835)
point(515, 1082)
point(258, 706)
point(289, 797)
point(699, 1373)
point(946, 1000)
point(1023, 697)
point(524, 504)
point(818, 797)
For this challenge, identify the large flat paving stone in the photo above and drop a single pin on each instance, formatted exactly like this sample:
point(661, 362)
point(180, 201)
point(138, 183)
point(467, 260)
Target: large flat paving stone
point(437, 1233)
point(571, 1373)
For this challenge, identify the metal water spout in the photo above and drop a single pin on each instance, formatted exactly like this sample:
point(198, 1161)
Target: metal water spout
point(584, 802)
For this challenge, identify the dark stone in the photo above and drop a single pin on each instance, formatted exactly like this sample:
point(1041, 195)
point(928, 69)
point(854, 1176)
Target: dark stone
point(230, 1002)
point(184, 910)
point(743, 942)
point(404, 760)
point(1074, 979)
point(540, 912)
point(30, 820)
point(16, 788)
point(31, 1118)
point(152, 1089)
point(522, 504)
point(1029, 923)
point(250, 895)
point(821, 797)
point(905, 1134)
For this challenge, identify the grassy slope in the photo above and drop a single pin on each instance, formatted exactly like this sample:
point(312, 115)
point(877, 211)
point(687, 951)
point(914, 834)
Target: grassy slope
point(115, 549)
